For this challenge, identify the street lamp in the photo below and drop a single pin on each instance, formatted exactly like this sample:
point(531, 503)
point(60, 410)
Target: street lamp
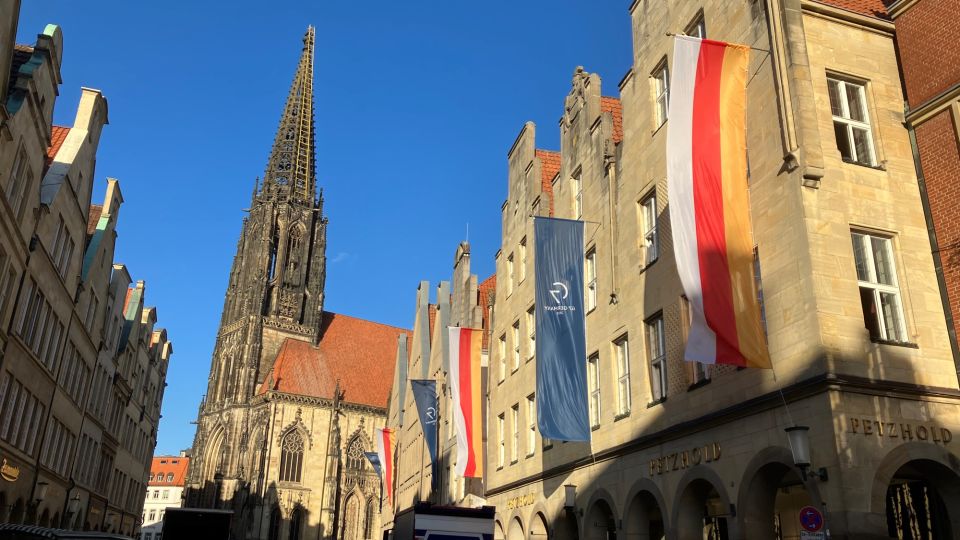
point(569, 496)
point(799, 439)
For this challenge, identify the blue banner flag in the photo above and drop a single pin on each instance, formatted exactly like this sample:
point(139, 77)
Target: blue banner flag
point(425, 395)
point(375, 461)
point(562, 409)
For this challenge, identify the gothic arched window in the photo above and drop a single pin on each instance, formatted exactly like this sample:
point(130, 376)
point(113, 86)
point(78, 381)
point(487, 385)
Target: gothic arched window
point(368, 520)
point(275, 519)
point(291, 456)
point(356, 460)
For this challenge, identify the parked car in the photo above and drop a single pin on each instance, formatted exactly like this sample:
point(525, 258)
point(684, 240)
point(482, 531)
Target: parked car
point(10, 531)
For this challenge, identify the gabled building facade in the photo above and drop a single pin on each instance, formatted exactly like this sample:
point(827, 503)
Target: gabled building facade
point(461, 302)
point(853, 318)
point(83, 364)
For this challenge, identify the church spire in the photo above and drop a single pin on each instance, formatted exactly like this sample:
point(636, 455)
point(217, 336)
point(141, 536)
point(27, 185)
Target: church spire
point(291, 170)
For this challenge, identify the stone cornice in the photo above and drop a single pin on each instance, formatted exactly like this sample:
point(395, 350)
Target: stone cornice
point(848, 17)
point(317, 402)
point(900, 7)
point(819, 384)
point(934, 105)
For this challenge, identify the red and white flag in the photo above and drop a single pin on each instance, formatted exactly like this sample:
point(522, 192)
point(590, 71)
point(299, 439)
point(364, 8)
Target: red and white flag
point(709, 202)
point(467, 403)
point(385, 446)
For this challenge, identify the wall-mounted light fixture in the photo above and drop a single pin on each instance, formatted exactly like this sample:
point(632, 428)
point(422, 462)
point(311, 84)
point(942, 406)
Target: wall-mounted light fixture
point(799, 439)
point(570, 496)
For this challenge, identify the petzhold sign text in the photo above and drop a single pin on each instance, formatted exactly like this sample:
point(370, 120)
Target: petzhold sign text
point(521, 500)
point(685, 459)
point(900, 430)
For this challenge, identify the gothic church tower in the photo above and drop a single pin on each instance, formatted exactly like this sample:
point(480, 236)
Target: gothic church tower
point(295, 392)
point(275, 289)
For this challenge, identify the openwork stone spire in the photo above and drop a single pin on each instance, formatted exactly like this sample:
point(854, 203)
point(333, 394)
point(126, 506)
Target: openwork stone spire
point(291, 171)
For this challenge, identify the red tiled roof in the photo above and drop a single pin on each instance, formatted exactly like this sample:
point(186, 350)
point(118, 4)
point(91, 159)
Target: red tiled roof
point(163, 466)
point(431, 316)
point(58, 134)
point(613, 106)
point(485, 291)
point(870, 8)
point(360, 354)
point(549, 167)
point(93, 218)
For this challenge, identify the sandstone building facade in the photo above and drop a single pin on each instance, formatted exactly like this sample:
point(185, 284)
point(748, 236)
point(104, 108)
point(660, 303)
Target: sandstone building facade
point(855, 324)
point(82, 361)
point(295, 392)
point(463, 301)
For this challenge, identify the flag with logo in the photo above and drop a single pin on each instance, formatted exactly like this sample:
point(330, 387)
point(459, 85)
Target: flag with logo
point(709, 202)
point(465, 390)
point(562, 410)
point(374, 460)
point(425, 396)
point(385, 447)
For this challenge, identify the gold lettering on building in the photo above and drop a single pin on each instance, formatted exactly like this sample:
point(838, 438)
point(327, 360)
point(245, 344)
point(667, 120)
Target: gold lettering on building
point(9, 472)
point(876, 427)
point(685, 459)
point(520, 501)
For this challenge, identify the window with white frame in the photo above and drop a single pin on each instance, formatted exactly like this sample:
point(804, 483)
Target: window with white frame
point(503, 357)
point(501, 451)
point(656, 354)
point(516, 345)
point(531, 333)
point(576, 185)
point(851, 123)
point(510, 274)
point(697, 371)
point(648, 227)
point(590, 275)
point(621, 349)
point(879, 289)
point(62, 248)
point(515, 420)
point(523, 258)
point(661, 93)
point(92, 308)
point(593, 388)
point(532, 425)
point(20, 177)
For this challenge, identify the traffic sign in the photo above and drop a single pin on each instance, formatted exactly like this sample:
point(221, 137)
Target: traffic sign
point(811, 520)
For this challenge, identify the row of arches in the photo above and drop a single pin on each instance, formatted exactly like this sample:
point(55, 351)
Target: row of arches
point(915, 494)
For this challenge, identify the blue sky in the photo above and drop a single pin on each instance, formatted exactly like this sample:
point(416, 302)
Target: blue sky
point(417, 104)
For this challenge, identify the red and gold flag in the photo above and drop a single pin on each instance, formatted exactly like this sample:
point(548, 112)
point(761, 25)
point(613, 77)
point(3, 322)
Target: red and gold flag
point(709, 205)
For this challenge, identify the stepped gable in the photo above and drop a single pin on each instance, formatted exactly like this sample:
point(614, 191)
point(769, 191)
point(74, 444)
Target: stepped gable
point(360, 354)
